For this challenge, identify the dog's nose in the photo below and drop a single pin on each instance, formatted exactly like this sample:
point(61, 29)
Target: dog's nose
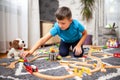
point(22, 41)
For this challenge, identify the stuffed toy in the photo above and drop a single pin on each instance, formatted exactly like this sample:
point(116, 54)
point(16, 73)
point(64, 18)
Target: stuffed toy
point(16, 47)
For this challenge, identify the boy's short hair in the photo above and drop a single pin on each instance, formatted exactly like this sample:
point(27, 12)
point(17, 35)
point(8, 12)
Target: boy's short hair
point(63, 12)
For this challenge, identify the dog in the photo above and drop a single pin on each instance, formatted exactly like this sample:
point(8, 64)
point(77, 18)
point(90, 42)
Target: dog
point(16, 47)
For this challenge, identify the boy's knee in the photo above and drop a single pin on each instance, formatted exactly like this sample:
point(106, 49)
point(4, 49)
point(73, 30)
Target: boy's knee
point(63, 54)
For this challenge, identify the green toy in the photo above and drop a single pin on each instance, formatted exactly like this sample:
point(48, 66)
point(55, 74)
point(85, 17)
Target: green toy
point(59, 57)
point(104, 47)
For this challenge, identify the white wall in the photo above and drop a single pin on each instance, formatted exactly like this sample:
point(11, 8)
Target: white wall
point(75, 7)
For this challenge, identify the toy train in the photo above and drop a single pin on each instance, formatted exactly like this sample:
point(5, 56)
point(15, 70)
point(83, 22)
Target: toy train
point(117, 55)
point(30, 68)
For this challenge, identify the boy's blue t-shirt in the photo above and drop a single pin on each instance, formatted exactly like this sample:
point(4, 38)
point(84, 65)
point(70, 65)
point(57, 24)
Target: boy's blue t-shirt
point(72, 34)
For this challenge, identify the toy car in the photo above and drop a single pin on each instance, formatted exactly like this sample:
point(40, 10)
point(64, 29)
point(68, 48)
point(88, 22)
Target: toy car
point(30, 68)
point(117, 55)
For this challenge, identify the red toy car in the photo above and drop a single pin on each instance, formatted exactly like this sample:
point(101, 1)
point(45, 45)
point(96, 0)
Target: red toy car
point(117, 55)
point(30, 68)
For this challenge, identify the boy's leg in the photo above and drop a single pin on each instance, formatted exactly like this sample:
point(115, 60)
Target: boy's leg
point(64, 49)
point(73, 45)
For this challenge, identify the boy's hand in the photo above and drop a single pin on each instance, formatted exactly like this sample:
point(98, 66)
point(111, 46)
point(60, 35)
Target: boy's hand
point(77, 50)
point(25, 54)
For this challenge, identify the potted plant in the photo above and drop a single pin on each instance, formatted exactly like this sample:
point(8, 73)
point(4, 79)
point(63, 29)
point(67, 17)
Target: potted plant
point(87, 9)
point(112, 29)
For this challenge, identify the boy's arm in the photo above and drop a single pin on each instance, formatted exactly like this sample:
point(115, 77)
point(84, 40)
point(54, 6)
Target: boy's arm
point(77, 48)
point(84, 35)
point(41, 41)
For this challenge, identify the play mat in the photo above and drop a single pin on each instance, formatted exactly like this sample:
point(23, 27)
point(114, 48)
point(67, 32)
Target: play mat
point(96, 64)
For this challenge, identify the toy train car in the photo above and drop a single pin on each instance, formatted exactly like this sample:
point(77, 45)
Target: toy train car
point(117, 55)
point(30, 68)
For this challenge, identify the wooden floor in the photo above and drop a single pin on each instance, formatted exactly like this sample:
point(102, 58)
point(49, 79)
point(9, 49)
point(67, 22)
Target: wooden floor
point(3, 55)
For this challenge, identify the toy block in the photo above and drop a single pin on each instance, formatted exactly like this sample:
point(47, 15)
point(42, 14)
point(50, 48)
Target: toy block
point(94, 65)
point(21, 60)
point(103, 68)
point(88, 72)
point(52, 50)
point(83, 69)
point(80, 73)
point(75, 70)
point(103, 65)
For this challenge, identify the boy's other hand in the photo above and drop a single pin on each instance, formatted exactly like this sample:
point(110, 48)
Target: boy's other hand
point(77, 50)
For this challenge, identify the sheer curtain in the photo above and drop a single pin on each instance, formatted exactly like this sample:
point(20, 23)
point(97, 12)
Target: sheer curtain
point(33, 22)
point(19, 19)
point(13, 22)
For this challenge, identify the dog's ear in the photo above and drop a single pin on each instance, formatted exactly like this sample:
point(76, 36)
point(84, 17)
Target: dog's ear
point(15, 44)
point(10, 44)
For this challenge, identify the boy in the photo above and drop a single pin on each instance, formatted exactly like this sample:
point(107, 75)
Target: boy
point(70, 31)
